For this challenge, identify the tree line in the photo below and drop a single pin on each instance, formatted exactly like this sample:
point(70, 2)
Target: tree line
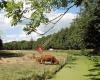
point(84, 32)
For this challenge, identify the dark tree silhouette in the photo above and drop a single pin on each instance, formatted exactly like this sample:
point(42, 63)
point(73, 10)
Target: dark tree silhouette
point(1, 44)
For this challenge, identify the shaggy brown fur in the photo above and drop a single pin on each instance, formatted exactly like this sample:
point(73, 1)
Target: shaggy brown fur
point(47, 58)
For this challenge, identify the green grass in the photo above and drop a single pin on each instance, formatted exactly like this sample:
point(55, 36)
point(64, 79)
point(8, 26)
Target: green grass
point(75, 71)
point(20, 71)
point(78, 67)
point(27, 71)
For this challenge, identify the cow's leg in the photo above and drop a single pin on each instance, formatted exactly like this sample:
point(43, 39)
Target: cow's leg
point(52, 60)
point(42, 61)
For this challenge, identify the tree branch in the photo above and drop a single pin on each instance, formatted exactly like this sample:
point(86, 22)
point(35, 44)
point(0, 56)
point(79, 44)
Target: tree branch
point(57, 20)
point(51, 21)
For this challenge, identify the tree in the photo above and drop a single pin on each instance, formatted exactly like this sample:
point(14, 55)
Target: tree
point(1, 44)
point(90, 8)
point(93, 26)
point(16, 10)
point(85, 30)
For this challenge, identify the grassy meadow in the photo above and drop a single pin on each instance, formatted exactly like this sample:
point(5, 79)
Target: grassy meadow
point(27, 70)
point(73, 66)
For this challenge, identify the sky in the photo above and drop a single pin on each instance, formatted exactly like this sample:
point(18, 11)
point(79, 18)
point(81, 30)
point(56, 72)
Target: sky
point(10, 33)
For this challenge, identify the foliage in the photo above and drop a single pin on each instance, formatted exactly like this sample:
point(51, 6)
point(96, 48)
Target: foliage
point(94, 73)
point(93, 27)
point(85, 30)
point(17, 10)
point(17, 45)
point(2, 4)
point(1, 44)
point(83, 33)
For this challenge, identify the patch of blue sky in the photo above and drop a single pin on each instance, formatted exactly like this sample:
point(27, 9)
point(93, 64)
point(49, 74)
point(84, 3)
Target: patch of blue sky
point(18, 30)
point(1, 11)
point(73, 10)
point(14, 30)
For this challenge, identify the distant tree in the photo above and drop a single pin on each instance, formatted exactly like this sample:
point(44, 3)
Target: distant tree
point(30, 45)
point(1, 44)
point(89, 19)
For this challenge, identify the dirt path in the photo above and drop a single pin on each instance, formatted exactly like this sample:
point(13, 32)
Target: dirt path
point(76, 72)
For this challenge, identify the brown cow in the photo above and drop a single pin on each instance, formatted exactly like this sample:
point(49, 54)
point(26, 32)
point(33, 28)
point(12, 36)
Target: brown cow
point(47, 58)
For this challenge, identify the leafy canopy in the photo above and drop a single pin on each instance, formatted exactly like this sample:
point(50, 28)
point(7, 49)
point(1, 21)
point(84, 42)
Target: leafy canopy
point(17, 10)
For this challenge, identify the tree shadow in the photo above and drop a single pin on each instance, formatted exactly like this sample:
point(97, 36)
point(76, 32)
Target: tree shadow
point(71, 61)
point(94, 73)
point(5, 54)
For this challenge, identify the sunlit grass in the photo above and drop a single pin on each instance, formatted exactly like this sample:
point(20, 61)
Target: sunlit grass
point(29, 70)
point(78, 67)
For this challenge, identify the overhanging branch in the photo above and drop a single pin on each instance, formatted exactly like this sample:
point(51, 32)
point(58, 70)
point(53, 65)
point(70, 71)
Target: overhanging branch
point(61, 16)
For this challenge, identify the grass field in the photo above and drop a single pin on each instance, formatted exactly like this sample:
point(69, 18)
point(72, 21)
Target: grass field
point(75, 71)
point(78, 67)
point(28, 69)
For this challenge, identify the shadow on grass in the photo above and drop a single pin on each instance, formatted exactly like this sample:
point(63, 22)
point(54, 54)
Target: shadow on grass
point(33, 77)
point(94, 73)
point(71, 61)
point(5, 54)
